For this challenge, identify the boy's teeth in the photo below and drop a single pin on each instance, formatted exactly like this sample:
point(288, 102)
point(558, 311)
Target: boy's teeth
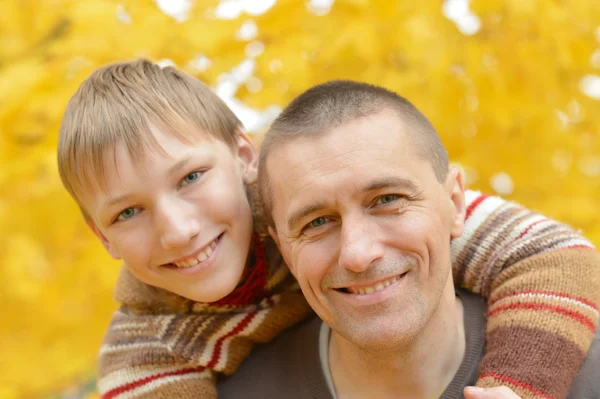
point(201, 257)
point(375, 288)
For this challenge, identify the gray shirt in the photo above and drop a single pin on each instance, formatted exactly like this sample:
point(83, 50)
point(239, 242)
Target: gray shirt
point(291, 365)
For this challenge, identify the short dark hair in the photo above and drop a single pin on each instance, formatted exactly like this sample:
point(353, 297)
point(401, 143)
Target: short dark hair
point(331, 104)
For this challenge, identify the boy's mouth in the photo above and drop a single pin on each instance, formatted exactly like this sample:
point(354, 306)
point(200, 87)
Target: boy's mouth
point(199, 257)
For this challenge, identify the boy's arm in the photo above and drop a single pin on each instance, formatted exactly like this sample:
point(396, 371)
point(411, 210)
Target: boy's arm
point(180, 355)
point(136, 360)
point(543, 284)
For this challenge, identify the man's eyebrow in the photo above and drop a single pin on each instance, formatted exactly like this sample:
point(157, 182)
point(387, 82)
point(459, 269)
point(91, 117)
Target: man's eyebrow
point(301, 213)
point(392, 181)
point(385, 182)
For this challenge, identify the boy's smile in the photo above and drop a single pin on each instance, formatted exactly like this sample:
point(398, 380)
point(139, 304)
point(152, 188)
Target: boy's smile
point(200, 257)
point(178, 214)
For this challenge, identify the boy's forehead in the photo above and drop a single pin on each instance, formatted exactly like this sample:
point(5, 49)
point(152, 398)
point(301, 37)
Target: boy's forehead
point(114, 168)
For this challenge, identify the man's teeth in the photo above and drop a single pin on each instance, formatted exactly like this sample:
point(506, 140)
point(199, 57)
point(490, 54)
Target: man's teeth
point(374, 288)
point(201, 257)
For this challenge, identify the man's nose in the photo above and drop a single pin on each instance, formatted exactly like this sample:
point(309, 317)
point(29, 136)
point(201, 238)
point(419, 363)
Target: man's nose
point(177, 223)
point(360, 245)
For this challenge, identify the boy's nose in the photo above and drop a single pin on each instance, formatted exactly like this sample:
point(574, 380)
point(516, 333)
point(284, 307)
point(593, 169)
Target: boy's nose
point(180, 235)
point(177, 227)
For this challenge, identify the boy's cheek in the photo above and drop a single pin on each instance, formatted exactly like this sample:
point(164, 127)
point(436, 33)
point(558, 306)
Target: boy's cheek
point(109, 246)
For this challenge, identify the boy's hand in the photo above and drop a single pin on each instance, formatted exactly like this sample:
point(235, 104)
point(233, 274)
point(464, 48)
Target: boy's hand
point(490, 393)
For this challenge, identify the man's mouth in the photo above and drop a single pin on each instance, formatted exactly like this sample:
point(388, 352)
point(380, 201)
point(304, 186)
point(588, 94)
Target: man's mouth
point(369, 289)
point(199, 257)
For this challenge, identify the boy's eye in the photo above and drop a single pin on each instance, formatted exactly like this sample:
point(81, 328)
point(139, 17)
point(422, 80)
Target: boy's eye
point(191, 178)
point(386, 199)
point(127, 214)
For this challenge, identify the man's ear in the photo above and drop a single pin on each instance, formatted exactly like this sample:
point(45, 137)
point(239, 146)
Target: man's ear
point(248, 157)
point(114, 252)
point(456, 189)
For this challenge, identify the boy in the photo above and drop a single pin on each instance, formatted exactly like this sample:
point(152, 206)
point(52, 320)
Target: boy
point(164, 177)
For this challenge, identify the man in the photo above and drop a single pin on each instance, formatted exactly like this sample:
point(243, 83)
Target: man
point(363, 210)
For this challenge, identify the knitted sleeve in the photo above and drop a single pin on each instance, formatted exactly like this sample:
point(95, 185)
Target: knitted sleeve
point(180, 355)
point(542, 280)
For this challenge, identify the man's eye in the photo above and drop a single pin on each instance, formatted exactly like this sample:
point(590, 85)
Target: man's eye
point(318, 222)
point(386, 199)
point(191, 178)
point(127, 214)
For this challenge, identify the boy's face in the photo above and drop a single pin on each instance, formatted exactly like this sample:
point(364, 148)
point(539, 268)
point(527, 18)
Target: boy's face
point(180, 220)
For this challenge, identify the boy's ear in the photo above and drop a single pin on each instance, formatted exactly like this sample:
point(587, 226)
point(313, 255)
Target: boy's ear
point(107, 244)
point(273, 235)
point(248, 156)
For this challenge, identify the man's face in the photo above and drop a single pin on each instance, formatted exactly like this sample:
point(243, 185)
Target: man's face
point(179, 219)
point(366, 226)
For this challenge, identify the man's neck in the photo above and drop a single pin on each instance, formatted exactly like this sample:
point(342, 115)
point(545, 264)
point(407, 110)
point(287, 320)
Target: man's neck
point(420, 369)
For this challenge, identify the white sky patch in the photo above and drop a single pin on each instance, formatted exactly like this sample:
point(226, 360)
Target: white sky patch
point(458, 11)
point(253, 120)
point(254, 84)
point(502, 183)
point(562, 161)
point(248, 31)
point(165, 62)
point(227, 86)
point(199, 64)
point(319, 7)
point(275, 65)
point(179, 10)
point(122, 14)
point(254, 49)
point(231, 9)
point(590, 86)
point(590, 166)
point(595, 59)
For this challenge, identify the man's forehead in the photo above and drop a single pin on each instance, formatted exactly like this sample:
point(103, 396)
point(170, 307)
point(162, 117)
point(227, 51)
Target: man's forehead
point(353, 145)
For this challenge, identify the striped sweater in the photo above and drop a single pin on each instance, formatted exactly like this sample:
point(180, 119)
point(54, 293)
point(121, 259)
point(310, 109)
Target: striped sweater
point(542, 280)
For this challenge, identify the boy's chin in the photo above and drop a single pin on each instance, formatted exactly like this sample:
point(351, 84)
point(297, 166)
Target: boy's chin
point(217, 291)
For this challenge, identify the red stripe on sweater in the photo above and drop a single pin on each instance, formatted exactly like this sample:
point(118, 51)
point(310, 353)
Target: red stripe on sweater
point(474, 205)
point(502, 251)
point(590, 246)
point(541, 292)
point(542, 306)
point(529, 228)
point(141, 382)
point(516, 383)
point(236, 330)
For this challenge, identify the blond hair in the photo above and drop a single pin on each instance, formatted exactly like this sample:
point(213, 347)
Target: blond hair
point(119, 102)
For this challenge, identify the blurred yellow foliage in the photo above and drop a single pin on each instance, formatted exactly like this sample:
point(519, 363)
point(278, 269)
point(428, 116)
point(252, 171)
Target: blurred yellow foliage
point(506, 98)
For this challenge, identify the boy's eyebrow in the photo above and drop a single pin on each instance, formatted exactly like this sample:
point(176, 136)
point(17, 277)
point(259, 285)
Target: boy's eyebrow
point(117, 199)
point(172, 170)
point(179, 164)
